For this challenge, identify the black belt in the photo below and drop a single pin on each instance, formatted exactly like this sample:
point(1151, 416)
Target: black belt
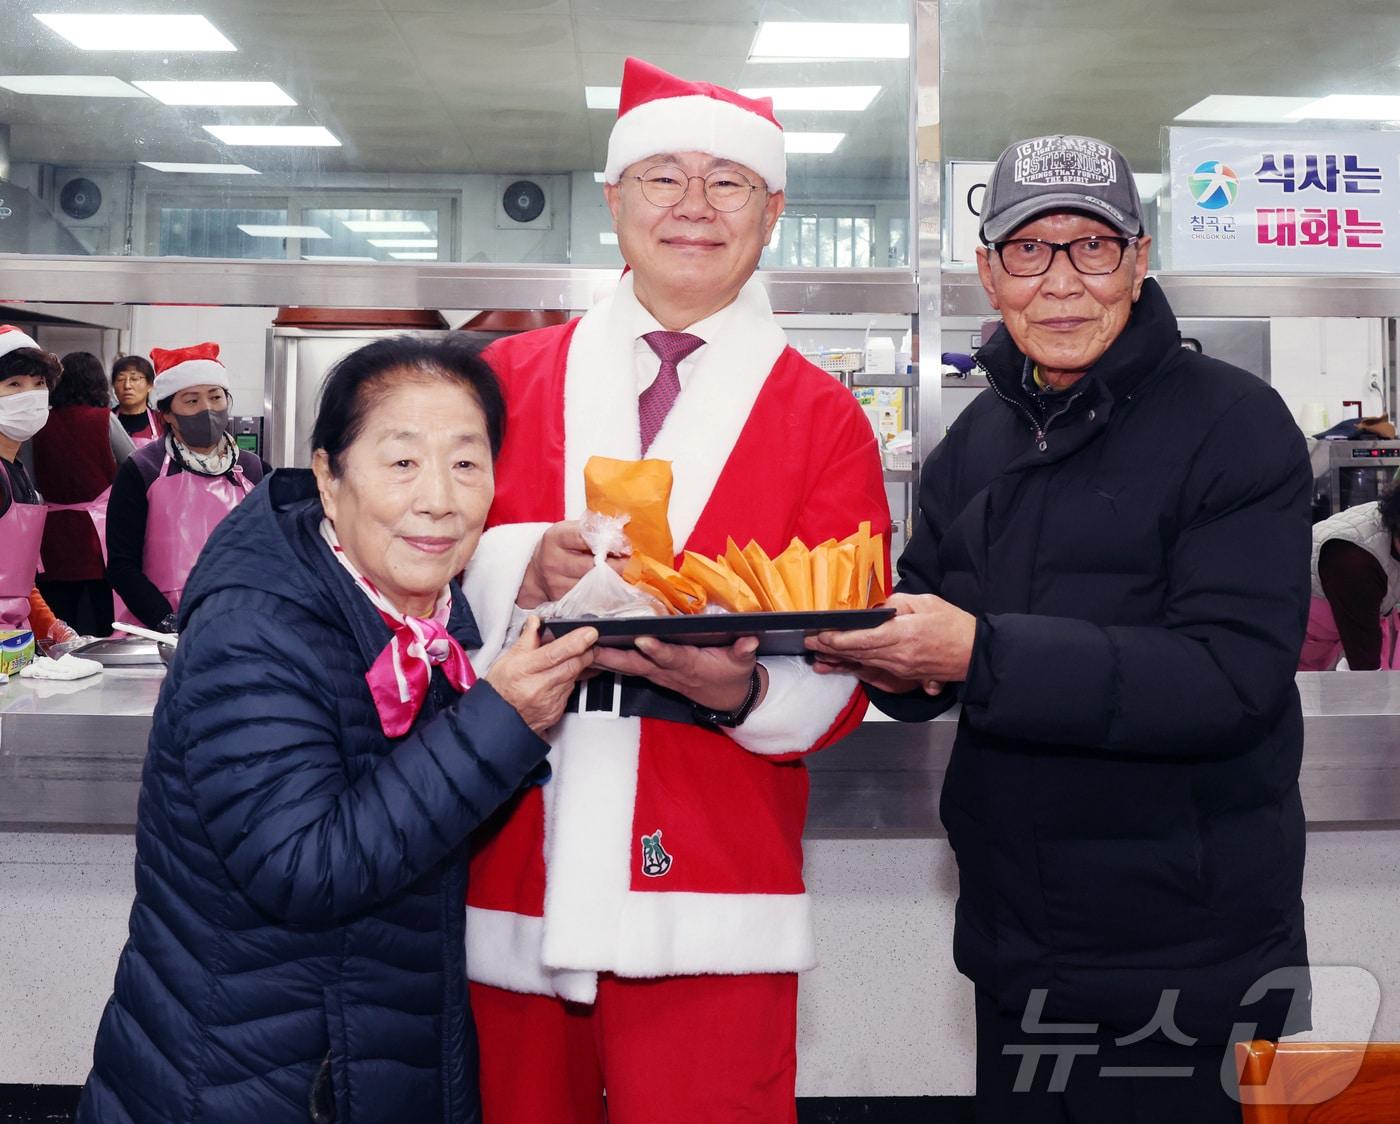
point(627, 696)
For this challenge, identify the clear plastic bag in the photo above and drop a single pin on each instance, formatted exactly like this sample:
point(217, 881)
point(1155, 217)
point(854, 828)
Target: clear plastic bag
point(601, 592)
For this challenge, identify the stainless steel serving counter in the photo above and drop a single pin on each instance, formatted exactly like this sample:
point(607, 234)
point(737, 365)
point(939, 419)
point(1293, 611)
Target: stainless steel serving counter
point(71, 753)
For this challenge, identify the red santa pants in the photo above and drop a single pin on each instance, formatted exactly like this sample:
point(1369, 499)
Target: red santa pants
point(679, 1050)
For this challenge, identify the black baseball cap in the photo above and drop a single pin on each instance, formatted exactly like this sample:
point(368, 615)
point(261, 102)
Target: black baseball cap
point(1060, 173)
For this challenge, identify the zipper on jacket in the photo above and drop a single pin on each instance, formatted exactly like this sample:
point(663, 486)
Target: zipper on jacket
point(1036, 427)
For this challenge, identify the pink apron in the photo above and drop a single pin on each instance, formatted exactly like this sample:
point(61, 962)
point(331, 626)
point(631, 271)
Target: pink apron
point(182, 512)
point(96, 509)
point(1322, 643)
point(152, 430)
point(22, 532)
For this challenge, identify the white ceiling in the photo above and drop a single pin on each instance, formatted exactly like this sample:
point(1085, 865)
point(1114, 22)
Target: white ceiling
point(1121, 69)
point(435, 85)
point(469, 86)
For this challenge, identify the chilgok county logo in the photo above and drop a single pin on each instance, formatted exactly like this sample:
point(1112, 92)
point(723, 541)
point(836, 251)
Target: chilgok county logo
point(1213, 185)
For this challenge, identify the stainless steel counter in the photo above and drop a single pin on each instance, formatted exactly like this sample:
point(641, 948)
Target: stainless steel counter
point(71, 754)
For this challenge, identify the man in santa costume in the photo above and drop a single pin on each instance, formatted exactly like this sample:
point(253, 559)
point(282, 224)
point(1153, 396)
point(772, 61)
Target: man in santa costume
point(636, 923)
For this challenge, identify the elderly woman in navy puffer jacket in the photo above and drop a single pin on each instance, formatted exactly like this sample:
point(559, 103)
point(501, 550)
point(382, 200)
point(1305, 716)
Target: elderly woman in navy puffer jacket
point(320, 753)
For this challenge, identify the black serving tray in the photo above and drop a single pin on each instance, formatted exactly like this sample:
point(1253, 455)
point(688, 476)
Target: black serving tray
point(779, 634)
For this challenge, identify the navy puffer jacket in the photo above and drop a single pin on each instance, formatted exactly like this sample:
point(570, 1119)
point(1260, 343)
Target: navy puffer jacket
point(300, 878)
point(1123, 791)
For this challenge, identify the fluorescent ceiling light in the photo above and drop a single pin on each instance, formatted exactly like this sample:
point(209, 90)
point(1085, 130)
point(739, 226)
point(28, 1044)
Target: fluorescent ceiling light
point(779, 41)
point(332, 257)
point(69, 86)
point(386, 226)
point(1243, 109)
point(602, 97)
point(290, 136)
point(842, 99)
point(256, 231)
point(201, 169)
point(217, 93)
point(600, 177)
point(415, 255)
point(818, 143)
point(126, 32)
point(1350, 107)
point(607, 238)
point(404, 243)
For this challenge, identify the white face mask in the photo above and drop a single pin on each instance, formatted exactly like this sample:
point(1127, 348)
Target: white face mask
point(23, 415)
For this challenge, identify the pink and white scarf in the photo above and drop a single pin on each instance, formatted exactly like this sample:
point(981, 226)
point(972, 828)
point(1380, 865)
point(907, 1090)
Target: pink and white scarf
point(398, 681)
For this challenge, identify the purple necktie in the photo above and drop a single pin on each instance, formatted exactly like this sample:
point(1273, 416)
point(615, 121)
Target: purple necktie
point(655, 402)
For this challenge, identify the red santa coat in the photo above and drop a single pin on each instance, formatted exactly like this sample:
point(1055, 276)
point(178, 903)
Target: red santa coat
point(763, 445)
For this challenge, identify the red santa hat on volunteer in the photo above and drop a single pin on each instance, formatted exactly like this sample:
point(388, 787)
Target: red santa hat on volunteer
point(658, 112)
point(184, 367)
point(12, 339)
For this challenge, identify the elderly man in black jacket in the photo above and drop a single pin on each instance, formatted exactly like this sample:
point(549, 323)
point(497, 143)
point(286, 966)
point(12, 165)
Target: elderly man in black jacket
point(1110, 573)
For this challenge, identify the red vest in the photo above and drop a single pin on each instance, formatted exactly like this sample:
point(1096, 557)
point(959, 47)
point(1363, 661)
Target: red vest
point(73, 463)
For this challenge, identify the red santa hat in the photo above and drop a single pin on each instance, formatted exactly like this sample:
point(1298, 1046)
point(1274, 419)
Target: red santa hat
point(659, 112)
point(12, 339)
point(185, 367)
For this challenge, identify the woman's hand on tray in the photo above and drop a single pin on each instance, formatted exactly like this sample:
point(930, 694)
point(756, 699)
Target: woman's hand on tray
point(713, 678)
point(536, 678)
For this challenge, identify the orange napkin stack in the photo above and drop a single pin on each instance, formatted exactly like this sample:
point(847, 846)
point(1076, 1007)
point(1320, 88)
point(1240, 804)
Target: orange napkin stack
point(832, 575)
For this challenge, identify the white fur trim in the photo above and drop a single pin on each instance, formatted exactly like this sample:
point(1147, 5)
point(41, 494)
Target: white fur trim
point(503, 950)
point(683, 934)
point(588, 838)
point(492, 583)
point(13, 339)
point(696, 123)
point(798, 708)
point(600, 400)
point(662, 934)
point(192, 372)
point(600, 395)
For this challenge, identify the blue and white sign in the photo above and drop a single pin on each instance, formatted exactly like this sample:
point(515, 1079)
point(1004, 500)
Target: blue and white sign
point(1284, 201)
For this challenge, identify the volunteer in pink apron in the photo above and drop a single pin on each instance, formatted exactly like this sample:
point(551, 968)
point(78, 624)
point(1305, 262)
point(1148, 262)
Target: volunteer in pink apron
point(1356, 589)
point(26, 374)
point(132, 381)
point(75, 459)
point(170, 495)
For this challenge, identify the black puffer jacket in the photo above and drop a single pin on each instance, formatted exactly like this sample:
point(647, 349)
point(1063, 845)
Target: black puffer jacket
point(1123, 794)
point(300, 878)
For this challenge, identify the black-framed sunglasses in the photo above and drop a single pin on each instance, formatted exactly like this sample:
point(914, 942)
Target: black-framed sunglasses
point(665, 185)
point(1030, 257)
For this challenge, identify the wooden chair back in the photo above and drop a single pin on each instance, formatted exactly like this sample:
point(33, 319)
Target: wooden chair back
point(1319, 1082)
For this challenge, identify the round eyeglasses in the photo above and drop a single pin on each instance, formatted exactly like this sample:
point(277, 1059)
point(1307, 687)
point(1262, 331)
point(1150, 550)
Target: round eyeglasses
point(666, 185)
point(1095, 256)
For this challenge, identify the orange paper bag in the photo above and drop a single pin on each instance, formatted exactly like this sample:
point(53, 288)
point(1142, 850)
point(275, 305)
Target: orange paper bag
point(823, 566)
point(734, 558)
point(770, 581)
point(673, 589)
point(794, 565)
point(641, 490)
point(722, 586)
point(843, 576)
point(869, 577)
